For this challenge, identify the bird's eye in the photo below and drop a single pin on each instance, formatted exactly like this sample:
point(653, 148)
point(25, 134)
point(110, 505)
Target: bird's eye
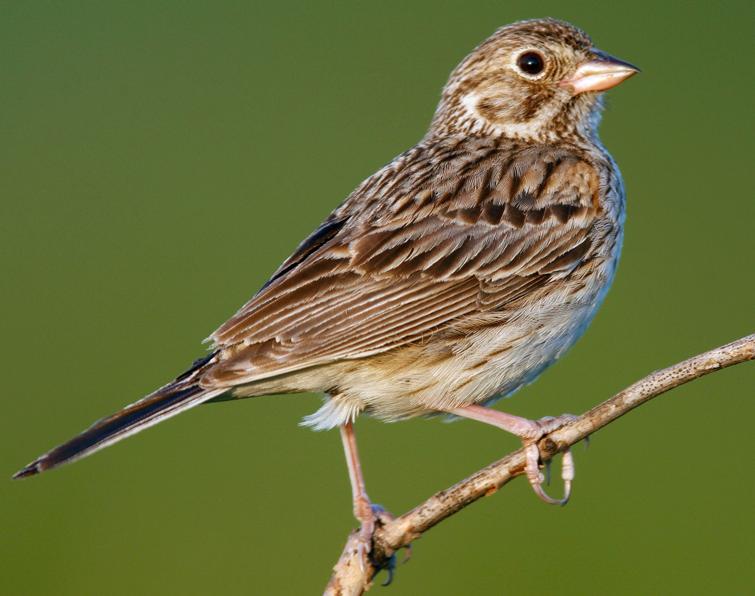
point(531, 63)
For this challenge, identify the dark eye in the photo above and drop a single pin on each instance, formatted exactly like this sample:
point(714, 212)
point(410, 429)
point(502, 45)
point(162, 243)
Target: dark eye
point(531, 63)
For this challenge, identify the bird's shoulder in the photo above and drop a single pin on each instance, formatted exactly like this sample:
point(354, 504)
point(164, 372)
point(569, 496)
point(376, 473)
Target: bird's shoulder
point(478, 207)
point(467, 177)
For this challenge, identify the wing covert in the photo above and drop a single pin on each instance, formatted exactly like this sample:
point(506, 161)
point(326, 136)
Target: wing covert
point(449, 241)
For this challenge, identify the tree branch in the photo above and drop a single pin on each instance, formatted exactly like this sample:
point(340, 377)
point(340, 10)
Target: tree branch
point(352, 576)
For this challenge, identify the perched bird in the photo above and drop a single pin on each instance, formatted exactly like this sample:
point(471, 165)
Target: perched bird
point(450, 278)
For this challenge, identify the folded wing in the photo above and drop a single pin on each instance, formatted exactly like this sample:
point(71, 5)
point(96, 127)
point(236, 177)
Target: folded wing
point(459, 234)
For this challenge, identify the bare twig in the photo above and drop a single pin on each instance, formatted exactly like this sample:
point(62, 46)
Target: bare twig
point(352, 576)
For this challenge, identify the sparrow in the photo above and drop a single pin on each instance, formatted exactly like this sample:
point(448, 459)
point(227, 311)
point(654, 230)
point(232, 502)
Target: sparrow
point(448, 279)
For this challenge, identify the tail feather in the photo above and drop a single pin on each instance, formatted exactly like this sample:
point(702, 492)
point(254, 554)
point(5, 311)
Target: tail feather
point(160, 405)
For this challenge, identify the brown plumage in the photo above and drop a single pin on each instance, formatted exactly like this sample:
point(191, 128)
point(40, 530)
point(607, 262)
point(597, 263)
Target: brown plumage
point(455, 235)
point(452, 276)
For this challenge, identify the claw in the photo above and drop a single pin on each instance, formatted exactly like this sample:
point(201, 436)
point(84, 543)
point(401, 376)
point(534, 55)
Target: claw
point(390, 567)
point(546, 425)
point(567, 474)
point(407, 554)
point(535, 478)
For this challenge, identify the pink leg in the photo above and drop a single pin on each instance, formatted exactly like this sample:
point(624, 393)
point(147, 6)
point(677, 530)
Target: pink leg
point(364, 510)
point(530, 431)
point(362, 506)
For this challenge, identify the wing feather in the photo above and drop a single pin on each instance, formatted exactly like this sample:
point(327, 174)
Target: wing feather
point(444, 238)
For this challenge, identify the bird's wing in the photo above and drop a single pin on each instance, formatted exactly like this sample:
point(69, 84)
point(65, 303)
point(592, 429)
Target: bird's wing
point(463, 241)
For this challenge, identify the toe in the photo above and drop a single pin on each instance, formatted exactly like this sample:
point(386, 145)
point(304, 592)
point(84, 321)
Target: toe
point(370, 516)
point(548, 424)
point(535, 478)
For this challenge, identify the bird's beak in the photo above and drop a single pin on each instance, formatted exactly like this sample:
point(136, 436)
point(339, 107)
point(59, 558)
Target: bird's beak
point(600, 73)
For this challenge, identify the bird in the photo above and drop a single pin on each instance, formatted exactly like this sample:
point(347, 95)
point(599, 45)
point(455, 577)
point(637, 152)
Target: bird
point(449, 279)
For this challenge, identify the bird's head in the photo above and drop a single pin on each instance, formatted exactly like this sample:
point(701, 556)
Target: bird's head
point(537, 80)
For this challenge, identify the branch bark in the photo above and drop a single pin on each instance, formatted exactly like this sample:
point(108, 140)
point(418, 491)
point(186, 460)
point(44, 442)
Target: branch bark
point(352, 576)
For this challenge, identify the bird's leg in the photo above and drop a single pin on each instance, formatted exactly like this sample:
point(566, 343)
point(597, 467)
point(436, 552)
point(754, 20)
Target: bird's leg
point(362, 505)
point(530, 431)
point(364, 510)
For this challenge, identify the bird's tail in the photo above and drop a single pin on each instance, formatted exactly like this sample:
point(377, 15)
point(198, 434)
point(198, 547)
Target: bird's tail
point(172, 399)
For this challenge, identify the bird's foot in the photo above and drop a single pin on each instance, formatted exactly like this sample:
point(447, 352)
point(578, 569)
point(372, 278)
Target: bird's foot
point(366, 516)
point(370, 516)
point(530, 432)
point(538, 429)
point(536, 478)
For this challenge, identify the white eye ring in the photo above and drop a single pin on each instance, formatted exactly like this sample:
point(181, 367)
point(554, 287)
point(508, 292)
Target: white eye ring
point(530, 63)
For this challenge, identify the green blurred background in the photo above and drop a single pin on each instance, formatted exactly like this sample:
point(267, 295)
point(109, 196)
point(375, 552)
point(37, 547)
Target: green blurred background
point(159, 160)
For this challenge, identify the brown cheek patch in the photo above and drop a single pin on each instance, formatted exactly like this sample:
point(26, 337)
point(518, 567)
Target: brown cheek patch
point(535, 100)
point(488, 109)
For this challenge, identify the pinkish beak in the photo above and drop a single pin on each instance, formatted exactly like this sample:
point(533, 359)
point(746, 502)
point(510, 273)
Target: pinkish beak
point(599, 74)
